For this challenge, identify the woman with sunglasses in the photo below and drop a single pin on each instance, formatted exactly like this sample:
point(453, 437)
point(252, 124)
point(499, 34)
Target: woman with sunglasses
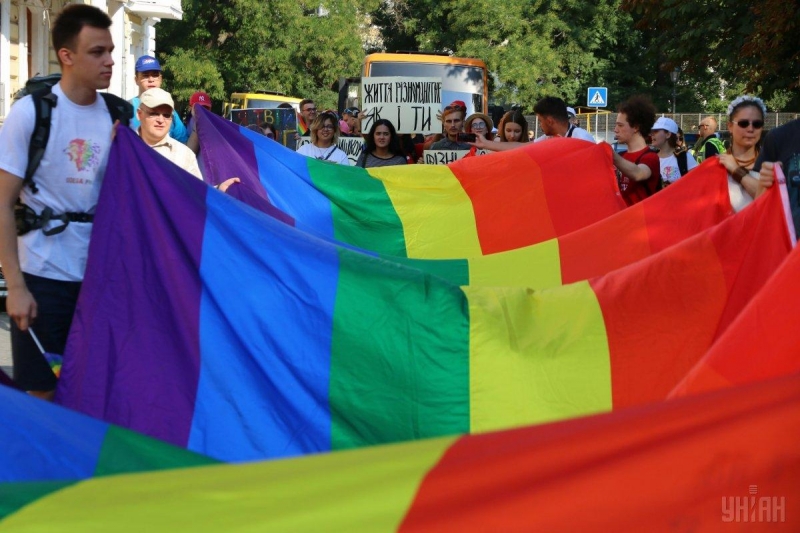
point(745, 123)
point(270, 132)
point(324, 136)
point(383, 147)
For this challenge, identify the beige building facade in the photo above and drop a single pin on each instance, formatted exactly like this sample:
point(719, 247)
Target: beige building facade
point(26, 51)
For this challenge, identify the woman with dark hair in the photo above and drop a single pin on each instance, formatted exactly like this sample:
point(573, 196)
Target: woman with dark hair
point(513, 128)
point(746, 123)
point(383, 147)
point(512, 132)
point(270, 132)
point(674, 164)
point(324, 136)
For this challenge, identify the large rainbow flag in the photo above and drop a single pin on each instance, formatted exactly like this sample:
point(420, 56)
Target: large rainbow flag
point(762, 343)
point(253, 339)
point(690, 206)
point(45, 448)
point(722, 461)
point(490, 204)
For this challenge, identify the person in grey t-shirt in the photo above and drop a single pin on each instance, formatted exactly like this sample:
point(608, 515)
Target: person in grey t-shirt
point(383, 147)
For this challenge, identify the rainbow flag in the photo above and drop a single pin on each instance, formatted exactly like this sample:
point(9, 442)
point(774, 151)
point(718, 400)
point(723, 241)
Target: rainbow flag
point(691, 205)
point(470, 208)
point(45, 448)
point(722, 461)
point(694, 204)
point(251, 339)
point(762, 343)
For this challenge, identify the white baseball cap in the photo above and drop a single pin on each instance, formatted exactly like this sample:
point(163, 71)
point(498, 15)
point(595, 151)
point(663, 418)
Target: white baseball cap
point(155, 97)
point(571, 112)
point(666, 124)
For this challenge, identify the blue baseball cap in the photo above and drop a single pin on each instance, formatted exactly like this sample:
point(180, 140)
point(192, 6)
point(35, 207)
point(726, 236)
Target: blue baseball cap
point(147, 63)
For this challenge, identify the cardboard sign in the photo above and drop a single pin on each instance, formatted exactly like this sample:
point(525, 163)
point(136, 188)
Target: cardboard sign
point(411, 104)
point(352, 146)
point(443, 157)
point(280, 119)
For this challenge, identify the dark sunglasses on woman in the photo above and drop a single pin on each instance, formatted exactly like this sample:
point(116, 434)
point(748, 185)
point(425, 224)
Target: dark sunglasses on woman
point(757, 124)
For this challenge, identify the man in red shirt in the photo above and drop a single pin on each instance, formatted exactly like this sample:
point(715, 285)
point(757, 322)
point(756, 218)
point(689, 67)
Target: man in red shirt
point(638, 169)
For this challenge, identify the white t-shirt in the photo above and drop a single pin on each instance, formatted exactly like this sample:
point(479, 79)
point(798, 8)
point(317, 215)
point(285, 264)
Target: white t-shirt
point(68, 179)
point(670, 172)
point(739, 197)
point(577, 133)
point(337, 155)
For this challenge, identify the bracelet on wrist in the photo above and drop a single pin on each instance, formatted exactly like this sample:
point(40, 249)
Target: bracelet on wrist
point(739, 173)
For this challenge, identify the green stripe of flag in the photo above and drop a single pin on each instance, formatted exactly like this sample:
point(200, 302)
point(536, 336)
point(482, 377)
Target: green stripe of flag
point(415, 382)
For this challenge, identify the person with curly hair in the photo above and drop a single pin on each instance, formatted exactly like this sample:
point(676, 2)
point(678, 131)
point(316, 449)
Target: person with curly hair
point(324, 136)
point(638, 169)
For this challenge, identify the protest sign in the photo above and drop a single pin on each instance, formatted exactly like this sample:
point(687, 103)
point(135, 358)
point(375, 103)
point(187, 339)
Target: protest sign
point(352, 146)
point(445, 157)
point(280, 119)
point(411, 104)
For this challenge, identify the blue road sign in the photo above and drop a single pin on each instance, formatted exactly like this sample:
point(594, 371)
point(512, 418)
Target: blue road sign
point(597, 97)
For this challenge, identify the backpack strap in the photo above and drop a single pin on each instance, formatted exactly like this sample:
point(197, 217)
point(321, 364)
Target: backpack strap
point(120, 109)
point(43, 103)
point(683, 163)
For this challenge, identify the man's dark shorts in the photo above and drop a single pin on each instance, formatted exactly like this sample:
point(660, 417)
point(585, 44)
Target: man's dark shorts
point(56, 301)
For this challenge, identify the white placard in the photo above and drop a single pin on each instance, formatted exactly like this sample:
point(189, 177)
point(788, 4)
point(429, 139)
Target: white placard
point(411, 104)
point(443, 157)
point(352, 146)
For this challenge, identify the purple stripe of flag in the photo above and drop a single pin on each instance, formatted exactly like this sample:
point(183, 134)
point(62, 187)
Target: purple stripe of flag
point(129, 361)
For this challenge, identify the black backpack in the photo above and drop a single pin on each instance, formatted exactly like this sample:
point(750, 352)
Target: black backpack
point(683, 163)
point(40, 88)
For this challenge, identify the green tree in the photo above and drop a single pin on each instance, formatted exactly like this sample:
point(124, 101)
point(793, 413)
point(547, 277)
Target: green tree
point(752, 45)
point(299, 48)
point(532, 48)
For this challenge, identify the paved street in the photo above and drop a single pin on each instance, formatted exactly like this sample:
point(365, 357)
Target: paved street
point(5, 345)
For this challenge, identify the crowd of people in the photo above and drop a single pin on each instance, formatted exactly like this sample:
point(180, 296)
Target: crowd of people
point(44, 266)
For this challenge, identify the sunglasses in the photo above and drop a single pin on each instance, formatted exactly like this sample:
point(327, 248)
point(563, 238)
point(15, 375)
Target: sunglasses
point(154, 114)
point(351, 111)
point(455, 107)
point(757, 124)
point(310, 109)
point(327, 127)
point(478, 124)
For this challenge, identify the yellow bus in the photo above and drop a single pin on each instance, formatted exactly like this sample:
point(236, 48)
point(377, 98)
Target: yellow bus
point(463, 78)
point(259, 100)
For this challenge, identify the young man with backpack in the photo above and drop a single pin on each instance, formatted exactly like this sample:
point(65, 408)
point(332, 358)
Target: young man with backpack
point(55, 146)
point(638, 169)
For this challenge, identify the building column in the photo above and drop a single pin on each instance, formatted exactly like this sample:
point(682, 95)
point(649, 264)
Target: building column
point(5, 57)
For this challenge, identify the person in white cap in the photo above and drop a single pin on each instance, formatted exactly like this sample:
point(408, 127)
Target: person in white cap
point(664, 134)
point(148, 75)
point(573, 116)
point(155, 116)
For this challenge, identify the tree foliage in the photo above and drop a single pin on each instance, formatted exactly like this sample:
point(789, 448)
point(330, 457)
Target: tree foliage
point(533, 48)
point(748, 45)
point(294, 47)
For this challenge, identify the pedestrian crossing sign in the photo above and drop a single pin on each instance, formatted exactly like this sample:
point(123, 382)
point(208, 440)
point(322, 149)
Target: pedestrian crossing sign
point(597, 97)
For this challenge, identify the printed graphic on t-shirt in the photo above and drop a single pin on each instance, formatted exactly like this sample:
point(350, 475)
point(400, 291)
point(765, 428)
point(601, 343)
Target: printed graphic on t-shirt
point(670, 173)
point(85, 154)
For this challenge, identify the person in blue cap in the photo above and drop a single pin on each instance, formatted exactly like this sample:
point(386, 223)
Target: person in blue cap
point(148, 76)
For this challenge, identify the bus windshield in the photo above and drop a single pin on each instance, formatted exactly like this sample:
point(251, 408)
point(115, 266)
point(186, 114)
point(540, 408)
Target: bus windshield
point(459, 82)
